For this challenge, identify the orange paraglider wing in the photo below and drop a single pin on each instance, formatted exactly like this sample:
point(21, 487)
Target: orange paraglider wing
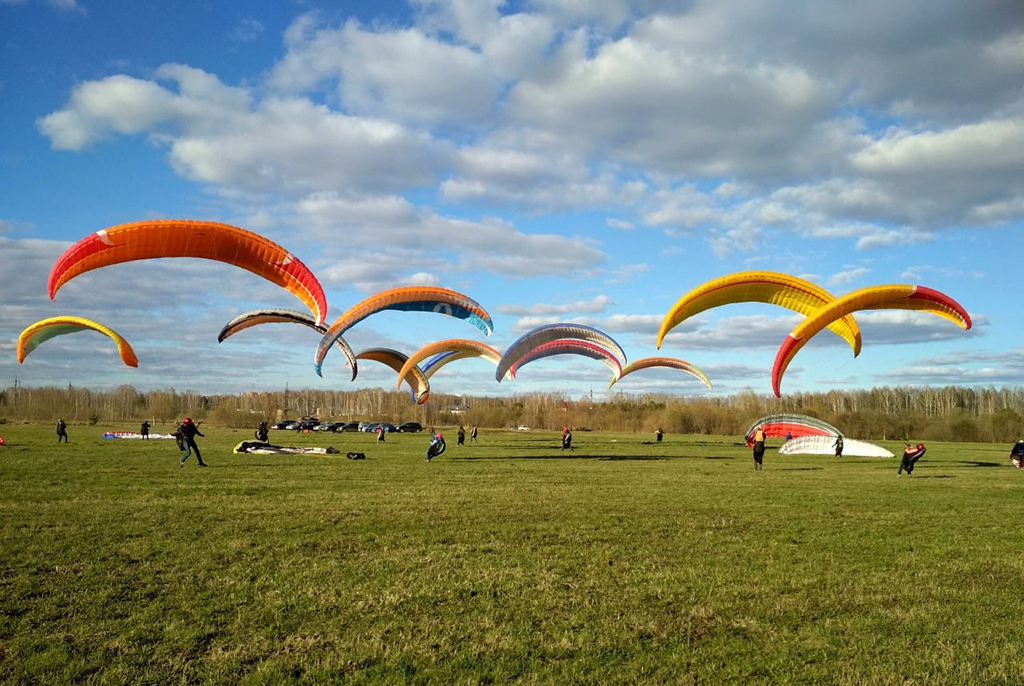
point(669, 362)
point(186, 238)
point(419, 387)
point(460, 347)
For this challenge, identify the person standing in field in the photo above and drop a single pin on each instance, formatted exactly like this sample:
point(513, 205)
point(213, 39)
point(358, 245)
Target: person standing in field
point(759, 448)
point(658, 435)
point(838, 445)
point(472, 434)
point(188, 432)
point(144, 430)
point(62, 431)
point(461, 436)
point(380, 434)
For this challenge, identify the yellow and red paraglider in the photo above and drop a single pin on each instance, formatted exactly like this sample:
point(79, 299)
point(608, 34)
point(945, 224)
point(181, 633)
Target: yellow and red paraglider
point(894, 296)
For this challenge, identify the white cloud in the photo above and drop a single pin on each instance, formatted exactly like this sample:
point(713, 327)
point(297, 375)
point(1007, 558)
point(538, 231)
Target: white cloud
point(402, 74)
point(596, 305)
point(847, 276)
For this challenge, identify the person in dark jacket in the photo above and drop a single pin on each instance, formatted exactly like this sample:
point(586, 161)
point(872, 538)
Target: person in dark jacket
point(262, 433)
point(62, 431)
point(838, 445)
point(910, 457)
point(461, 435)
point(437, 445)
point(1017, 454)
point(144, 430)
point(188, 431)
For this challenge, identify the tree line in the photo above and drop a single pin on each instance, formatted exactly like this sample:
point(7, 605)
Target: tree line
point(950, 413)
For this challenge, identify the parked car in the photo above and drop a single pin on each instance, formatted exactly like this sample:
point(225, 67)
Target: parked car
point(410, 427)
point(308, 423)
point(348, 426)
point(330, 426)
point(522, 427)
point(369, 427)
point(287, 424)
point(388, 428)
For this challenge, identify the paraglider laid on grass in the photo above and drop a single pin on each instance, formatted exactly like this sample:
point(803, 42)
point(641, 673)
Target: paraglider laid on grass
point(408, 299)
point(36, 334)
point(823, 445)
point(278, 316)
point(895, 296)
point(261, 448)
point(774, 288)
point(186, 238)
point(553, 332)
point(668, 362)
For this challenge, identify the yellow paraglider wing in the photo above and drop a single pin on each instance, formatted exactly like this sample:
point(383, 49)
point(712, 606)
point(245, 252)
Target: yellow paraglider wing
point(774, 288)
point(893, 296)
point(44, 330)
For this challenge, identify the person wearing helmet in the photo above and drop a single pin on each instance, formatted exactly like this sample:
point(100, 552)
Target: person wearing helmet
point(188, 431)
point(911, 455)
point(437, 445)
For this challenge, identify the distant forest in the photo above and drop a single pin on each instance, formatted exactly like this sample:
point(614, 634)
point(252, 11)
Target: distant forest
point(941, 414)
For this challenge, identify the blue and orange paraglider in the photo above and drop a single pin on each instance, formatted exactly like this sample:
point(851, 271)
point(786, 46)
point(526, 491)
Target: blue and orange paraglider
point(409, 299)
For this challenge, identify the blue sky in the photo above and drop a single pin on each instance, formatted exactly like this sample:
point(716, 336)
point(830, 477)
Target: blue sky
point(555, 160)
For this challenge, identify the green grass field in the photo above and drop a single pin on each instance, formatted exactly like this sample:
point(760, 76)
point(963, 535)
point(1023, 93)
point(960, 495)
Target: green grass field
point(505, 561)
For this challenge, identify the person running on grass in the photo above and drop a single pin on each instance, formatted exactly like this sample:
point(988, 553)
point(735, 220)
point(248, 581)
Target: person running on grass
point(188, 432)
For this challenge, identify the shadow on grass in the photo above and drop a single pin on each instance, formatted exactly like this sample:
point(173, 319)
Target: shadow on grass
point(800, 469)
point(974, 463)
point(580, 456)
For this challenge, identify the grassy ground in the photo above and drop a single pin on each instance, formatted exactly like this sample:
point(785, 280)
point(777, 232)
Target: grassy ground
point(505, 561)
